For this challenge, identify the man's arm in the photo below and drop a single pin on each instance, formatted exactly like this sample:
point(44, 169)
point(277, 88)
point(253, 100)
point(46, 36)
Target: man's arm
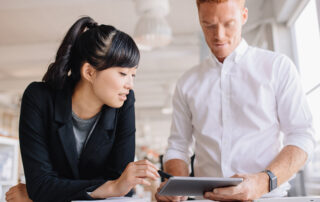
point(290, 160)
point(178, 152)
point(176, 167)
point(286, 164)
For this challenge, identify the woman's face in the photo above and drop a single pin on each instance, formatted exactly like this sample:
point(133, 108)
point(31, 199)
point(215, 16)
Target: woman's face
point(112, 85)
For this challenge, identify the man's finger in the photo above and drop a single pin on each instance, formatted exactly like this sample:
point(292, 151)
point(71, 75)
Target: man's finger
point(221, 197)
point(233, 190)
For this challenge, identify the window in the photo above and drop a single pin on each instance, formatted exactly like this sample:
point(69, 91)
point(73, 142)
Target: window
point(307, 34)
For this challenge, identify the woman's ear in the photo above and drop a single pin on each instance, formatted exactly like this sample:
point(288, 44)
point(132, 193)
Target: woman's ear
point(88, 72)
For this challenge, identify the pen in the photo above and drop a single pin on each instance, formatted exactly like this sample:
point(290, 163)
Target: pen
point(164, 175)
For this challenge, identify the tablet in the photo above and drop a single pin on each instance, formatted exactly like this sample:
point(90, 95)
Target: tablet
point(195, 186)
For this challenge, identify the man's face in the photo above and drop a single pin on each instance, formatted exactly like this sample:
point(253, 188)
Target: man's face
point(222, 25)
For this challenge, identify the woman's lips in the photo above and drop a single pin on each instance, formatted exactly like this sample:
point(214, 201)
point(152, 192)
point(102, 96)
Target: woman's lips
point(122, 97)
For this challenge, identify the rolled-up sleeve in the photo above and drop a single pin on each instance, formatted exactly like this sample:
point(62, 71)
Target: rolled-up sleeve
point(180, 141)
point(293, 111)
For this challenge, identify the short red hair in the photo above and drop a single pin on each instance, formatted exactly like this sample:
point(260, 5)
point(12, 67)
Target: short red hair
point(217, 1)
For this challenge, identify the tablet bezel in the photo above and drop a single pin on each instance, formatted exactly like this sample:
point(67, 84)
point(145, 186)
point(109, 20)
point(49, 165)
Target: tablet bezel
point(195, 186)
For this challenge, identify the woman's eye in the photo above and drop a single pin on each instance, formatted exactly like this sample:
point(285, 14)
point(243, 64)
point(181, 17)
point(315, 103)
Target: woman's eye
point(123, 74)
point(133, 75)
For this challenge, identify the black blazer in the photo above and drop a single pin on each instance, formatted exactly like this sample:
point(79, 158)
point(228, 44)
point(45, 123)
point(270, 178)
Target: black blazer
point(52, 169)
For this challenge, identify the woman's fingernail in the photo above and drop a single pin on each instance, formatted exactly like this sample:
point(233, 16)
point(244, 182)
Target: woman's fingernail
point(215, 191)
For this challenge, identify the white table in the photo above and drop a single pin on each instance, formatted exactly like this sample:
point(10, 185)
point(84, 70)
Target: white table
point(281, 199)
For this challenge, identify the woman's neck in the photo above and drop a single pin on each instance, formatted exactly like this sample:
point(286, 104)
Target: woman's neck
point(84, 102)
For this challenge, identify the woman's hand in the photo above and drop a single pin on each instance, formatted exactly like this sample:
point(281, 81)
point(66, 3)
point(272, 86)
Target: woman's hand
point(135, 173)
point(18, 193)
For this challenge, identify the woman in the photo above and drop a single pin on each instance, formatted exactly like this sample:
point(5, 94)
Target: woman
point(77, 127)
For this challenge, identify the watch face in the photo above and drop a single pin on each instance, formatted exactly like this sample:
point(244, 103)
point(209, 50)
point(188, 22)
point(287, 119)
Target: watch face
point(273, 183)
point(272, 180)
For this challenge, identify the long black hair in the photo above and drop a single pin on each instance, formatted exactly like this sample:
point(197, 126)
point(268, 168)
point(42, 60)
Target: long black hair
point(102, 46)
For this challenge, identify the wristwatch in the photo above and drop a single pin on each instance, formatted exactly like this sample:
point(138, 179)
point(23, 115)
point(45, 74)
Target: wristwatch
point(272, 180)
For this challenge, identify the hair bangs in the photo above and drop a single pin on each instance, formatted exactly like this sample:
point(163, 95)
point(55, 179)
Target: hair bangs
point(123, 52)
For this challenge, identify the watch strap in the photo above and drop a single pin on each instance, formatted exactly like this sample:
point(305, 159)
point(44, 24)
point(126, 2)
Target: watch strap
point(272, 180)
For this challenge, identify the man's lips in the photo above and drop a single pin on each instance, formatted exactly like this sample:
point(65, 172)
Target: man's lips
point(220, 44)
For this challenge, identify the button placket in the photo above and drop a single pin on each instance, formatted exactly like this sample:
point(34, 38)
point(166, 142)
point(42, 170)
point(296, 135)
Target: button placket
point(225, 102)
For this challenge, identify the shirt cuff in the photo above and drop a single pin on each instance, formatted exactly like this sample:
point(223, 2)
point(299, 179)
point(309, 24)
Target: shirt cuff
point(304, 143)
point(174, 154)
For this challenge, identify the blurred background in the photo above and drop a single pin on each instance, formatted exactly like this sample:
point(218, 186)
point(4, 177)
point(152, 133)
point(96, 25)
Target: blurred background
point(170, 39)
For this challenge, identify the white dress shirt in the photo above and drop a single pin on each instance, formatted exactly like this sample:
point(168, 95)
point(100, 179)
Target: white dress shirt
point(233, 113)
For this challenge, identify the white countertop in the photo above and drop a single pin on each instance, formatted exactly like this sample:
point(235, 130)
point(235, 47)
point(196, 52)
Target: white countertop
point(281, 199)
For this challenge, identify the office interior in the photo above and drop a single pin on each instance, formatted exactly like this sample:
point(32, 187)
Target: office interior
point(32, 30)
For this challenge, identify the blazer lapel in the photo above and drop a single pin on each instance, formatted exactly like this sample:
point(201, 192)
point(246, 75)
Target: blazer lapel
point(63, 107)
point(102, 132)
point(68, 142)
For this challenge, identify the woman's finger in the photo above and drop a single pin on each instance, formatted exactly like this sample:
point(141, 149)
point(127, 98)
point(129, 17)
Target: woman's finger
point(10, 193)
point(10, 197)
point(145, 174)
point(145, 162)
point(142, 181)
point(149, 168)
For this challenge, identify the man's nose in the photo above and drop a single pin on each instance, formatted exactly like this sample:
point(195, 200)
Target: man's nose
point(219, 32)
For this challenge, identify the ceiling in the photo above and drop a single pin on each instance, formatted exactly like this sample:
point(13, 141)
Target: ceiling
point(32, 30)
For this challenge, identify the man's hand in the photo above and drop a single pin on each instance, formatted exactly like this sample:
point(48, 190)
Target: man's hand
point(18, 193)
point(168, 198)
point(252, 187)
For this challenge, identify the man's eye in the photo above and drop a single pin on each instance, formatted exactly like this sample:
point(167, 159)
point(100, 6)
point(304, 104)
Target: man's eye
point(133, 75)
point(123, 74)
point(230, 24)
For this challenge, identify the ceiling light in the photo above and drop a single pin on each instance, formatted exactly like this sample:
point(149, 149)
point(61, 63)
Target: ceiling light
point(152, 29)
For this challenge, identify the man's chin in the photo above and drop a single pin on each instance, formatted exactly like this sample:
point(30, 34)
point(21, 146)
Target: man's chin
point(220, 57)
point(220, 54)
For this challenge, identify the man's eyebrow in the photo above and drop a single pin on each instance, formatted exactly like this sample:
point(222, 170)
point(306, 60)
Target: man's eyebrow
point(206, 22)
point(229, 21)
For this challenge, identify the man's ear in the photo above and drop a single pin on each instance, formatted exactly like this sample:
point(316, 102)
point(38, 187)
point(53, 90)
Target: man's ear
point(244, 15)
point(88, 72)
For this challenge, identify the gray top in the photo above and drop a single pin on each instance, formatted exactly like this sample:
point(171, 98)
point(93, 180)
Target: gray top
point(82, 129)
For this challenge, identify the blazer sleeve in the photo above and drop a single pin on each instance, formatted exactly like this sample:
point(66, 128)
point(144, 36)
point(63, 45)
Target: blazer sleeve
point(43, 183)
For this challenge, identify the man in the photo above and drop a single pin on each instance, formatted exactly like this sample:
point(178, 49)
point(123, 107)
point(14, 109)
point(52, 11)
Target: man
point(233, 107)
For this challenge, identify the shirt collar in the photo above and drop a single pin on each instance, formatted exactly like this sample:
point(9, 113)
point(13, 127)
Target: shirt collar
point(235, 55)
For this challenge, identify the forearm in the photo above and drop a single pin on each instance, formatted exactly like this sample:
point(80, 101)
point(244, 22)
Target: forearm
point(106, 190)
point(289, 161)
point(176, 167)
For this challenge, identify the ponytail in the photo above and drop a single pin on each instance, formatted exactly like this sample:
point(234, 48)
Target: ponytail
point(58, 71)
point(101, 46)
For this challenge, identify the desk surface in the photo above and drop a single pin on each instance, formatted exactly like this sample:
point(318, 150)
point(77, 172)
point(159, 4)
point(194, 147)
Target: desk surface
point(282, 199)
